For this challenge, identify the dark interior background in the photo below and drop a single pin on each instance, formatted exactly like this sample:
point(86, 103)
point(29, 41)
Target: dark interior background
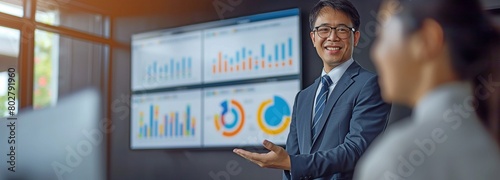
point(147, 15)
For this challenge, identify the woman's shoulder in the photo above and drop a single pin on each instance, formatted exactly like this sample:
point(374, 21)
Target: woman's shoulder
point(383, 156)
point(415, 149)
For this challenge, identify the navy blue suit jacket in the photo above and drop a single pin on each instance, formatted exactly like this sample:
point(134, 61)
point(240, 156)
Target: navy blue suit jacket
point(354, 115)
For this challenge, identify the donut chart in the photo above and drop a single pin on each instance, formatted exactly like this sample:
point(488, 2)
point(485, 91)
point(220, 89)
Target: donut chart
point(231, 119)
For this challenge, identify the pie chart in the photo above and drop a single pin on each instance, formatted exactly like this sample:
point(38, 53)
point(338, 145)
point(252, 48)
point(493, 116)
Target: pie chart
point(274, 115)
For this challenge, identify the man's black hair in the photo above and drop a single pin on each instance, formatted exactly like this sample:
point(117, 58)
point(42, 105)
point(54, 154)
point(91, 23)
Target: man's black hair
point(344, 6)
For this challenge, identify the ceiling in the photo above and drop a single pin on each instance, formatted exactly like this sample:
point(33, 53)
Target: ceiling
point(138, 7)
point(146, 7)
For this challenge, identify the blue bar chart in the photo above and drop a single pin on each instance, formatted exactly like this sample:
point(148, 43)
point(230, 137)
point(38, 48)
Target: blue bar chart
point(173, 69)
point(169, 61)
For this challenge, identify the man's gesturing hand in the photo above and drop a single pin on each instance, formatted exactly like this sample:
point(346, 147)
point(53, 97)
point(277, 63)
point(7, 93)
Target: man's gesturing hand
point(276, 158)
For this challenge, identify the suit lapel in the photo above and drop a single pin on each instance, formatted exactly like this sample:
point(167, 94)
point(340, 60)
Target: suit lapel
point(344, 83)
point(307, 117)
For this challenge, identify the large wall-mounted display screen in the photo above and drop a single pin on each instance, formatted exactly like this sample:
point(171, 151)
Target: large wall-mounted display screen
point(228, 83)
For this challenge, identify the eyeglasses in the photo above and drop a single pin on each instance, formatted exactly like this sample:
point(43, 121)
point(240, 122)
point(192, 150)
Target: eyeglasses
point(342, 31)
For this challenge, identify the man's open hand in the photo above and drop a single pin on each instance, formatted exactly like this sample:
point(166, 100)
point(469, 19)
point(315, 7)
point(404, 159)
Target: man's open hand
point(276, 158)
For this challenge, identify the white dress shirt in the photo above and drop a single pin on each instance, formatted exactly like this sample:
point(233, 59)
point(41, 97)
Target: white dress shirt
point(335, 75)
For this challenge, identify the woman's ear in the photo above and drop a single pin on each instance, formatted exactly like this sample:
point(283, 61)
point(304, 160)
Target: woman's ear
point(428, 42)
point(433, 37)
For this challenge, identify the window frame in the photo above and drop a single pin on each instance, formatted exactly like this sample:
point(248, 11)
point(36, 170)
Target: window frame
point(27, 25)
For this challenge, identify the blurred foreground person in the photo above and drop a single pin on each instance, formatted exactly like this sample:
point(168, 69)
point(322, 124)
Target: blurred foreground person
point(439, 57)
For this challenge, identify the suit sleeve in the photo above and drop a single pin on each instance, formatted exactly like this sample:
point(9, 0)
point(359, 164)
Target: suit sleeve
point(369, 117)
point(292, 144)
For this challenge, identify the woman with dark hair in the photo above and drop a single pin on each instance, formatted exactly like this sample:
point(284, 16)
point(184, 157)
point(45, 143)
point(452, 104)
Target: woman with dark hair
point(441, 58)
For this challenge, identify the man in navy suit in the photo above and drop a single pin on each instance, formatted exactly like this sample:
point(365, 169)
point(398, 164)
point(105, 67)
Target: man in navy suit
point(337, 117)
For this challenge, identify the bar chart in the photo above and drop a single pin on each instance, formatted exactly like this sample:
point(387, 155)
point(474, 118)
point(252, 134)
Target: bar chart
point(244, 60)
point(173, 124)
point(168, 61)
point(168, 119)
point(170, 70)
point(247, 51)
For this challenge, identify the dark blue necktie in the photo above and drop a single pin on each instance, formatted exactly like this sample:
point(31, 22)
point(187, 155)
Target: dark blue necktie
point(320, 103)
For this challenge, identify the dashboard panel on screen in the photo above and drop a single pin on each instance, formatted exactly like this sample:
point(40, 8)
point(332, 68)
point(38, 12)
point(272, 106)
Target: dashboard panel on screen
point(166, 119)
point(228, 83)
point(247, 114)
point(251, 50)
point(167, 61)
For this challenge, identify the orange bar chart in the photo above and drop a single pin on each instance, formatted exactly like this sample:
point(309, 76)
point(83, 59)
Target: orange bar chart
point(244, 60)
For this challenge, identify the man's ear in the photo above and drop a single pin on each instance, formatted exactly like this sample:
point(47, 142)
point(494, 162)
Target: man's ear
point(357, 35)
point(312, 38)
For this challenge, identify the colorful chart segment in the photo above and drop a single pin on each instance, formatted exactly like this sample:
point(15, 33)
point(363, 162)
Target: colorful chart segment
point(172, 125)
point(245, 60)
point(274, 116)
point(227, 127)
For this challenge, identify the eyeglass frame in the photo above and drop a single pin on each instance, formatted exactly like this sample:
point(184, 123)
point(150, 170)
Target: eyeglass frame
point(333, 29)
